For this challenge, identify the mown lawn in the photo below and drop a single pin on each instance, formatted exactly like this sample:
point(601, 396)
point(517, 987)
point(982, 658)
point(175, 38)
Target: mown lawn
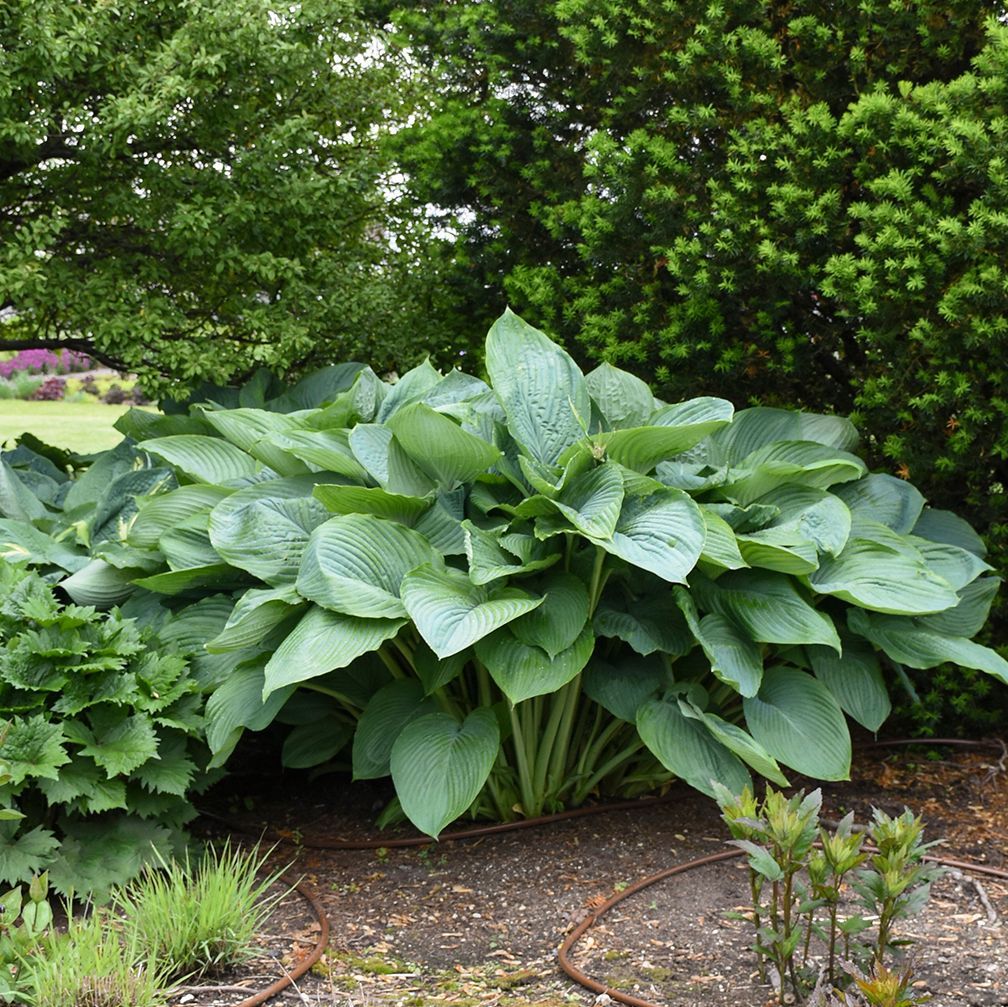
point(80, 426)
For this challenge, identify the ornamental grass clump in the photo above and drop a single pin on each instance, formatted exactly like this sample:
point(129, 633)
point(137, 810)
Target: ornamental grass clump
point(516, 594)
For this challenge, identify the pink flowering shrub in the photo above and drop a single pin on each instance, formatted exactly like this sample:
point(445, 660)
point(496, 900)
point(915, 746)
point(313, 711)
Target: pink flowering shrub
point(45, 362)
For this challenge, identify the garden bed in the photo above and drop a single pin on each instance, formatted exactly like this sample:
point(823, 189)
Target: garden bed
point(479, 921)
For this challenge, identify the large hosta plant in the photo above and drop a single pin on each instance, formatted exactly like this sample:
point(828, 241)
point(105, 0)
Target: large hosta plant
point(513, 594)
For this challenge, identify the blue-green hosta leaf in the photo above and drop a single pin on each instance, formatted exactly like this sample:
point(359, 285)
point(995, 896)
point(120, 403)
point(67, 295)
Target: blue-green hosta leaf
point(372, 500)
point(621, 688)
point(663, 533)
point(21, 542)
point(855, 679)
point(255, 615)
point(693, 476)
point(203, 459)
point(543, 392)
point(190, 627)
point(313, 744)
point(355, 563)
point(185, 548)
point(328, 449)
point(752, 429)
point(367, 394)
point(883, 498)
point(768, 606)
point(735, 658)
point(264, 529)
point(969, 616)
point(98, 584)
point(388, 712)
point(32, 747)
point(370, 444)
point(238, 704)
point(405, 476)
point(491, 559)
point(411, 387)
point(560, 619)
point(319, 387)
point(813, 514)
point(440, 447)
point(877, 578)
point(957, 566)
point(799, 722)
point(322, 642)
point(439, 766)
point(451, 613)
point(251, 430)
point(522, 670)
point(622, 398)
point(16, 500)
point(441, 525)
point(737, 740)
point(214, 575)
point(685, 747)
point(163, 511)
point(434, 672)
point(648, 624)
point(802, 462)
point(944, 526)
point(721, 548)
point(910, 642)
point(783, 550)
point(592, 501)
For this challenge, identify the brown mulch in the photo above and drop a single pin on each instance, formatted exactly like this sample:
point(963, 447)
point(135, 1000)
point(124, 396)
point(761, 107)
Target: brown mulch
point(478, 922)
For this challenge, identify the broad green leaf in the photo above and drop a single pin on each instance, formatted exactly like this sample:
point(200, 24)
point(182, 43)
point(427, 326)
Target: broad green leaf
point(735, 658)
point(752, 429)
point(592, 501)
point(522, 670)
point(434, 672)
point(798, 721)
point(390, 710)
point(21, 542)
point(910, 642)
point(439, 766)
point(663, 533)
point(404, 475)
point(328, 449)
point(768, 606)
point(125, 744)
point(16, 500)
point(98, 584)
point(490, 558)
point(355, 563)
point(370, 443)
point(958, 567)
point(372, 500)
point(185, 548)
point(203, 459)
point(163, 511)
point(886, 499)
point(541, 388)
point(782, 549)
point(451, 613)
point(440, 446)
point(877, 578)
point(411, 387)
point(256, 614)
point(813, 514)
point(560, 619)
point(251, 430)
point(214, 575)
point(319, 387)
point(686, 748)
point(32, 747)
point(969, 616)
point(312, 744)
point(944, 526)
point(622, 687)
point(322, 642)
point(648, 624)
point(720, 549)
point(190, 627)
point(855, 679)
point(441, 525)
point(622, 399)
point(802, 462)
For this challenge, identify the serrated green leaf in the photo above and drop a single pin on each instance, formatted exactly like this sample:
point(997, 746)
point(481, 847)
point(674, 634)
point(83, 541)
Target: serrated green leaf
point(124, 745)
point(23, 856)
point(32, 747)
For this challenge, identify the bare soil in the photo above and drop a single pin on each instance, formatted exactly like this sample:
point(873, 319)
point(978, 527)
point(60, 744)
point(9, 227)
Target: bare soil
point(477, 922)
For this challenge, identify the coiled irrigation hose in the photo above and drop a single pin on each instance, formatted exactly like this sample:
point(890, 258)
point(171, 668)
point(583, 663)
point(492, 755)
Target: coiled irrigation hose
point(565, 949)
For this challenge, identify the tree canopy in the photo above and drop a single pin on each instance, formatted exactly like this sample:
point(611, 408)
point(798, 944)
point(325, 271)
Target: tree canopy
point(191, 188)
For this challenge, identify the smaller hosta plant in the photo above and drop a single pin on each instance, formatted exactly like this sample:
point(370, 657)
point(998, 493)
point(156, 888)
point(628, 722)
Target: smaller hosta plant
point(798, 874)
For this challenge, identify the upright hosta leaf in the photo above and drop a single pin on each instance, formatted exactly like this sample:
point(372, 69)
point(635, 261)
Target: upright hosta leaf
point(440, 446)
point(435, 673)
point(886, 499)
point(355, 564)
point(802, 462)
point(250, 430)
point(21, 542)
point(798, 721)
point(780, 549)
point(969, 616)
point(214, 575)
point(622, 687)
point(592, 501)
point(318, 387)
point(813, 514)
point(663, 533)
point(560, 619)
point(491, 559)
point(372, 500)
point(755, 428)
point(622, 398)
point(767, 606)
point(543, 392)
point(648, 624)
point(944, 526)
point(255, 615)
point(721, 548)
point(322, 642)
point(522, 670)
point(203, 459)
point(370, 444)
point(328, 449)
point(163, 511)
point(877, 578)
point(957, 566)
point(451, 613)
point(855, 679)
point(411, 387)
point(16, 500)
point(388, 712)
point(685, 747)
point(441, 525)
point(185, 548)
point(98, 584)
point(911, 642)
point(439, 766)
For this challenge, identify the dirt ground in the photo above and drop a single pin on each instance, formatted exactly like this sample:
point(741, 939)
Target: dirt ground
point(478, 922)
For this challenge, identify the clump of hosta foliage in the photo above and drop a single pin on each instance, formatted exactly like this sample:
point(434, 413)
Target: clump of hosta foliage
point(513, 595)
point(100, 740)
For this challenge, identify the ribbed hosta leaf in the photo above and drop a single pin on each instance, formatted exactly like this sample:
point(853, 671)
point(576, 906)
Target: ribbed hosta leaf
point(370, 443)
point(686, 748)
point(543, 392)
point(203, 459)
point(328, 449)
point(663, 533)
point(250, 430)
point(755, 428)
point(157, 514)
point(767, 606)
point(322, 642)
point(720, 549)
point(648, 624)
point(451, 613)
point(875, 577)
point(411, 387)
point(372, 500)
point(883, 498)
point(391, 708)
point(355, 563)
point(310, 745)
point(802, 462)
point(958, 567)
point(944, 526)
point(622, 398)
point(910, 642)
point(797, 720)
point(186, 548)
point(213, 575)
point(622, 687)
point(969, 616)
point(813, 514)
point(439, 766)
point(491, 559)
point(98, 584)
point(780, 549)
point(440, 446)
point(592, 501)
point(256, 614)
point(855, 679)
point(523, 671)
point(560, 619)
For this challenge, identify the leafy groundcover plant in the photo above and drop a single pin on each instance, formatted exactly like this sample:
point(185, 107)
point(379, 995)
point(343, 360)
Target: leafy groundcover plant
point(513, 595)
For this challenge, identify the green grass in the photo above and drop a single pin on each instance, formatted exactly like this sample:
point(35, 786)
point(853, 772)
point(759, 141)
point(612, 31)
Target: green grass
point(79, 426)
